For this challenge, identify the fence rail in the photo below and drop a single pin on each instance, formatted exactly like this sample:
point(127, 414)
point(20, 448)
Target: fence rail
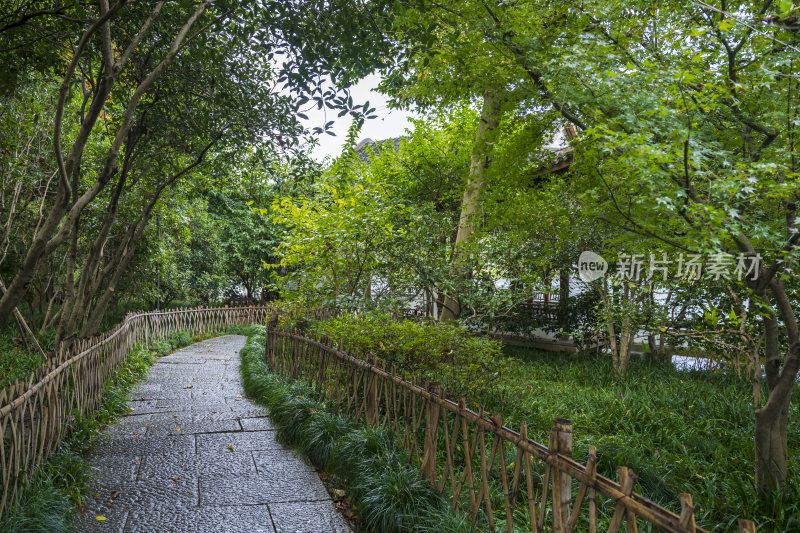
point(36, 414)
point(468, 452)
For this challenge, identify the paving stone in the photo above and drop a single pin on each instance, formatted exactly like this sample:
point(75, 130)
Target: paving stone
point(256, 424)
point(248, 410)
point(222, 389)
point(182, 404)
point(180, 360)
point(210, 465)
point(113, 521)
point(307, 517)
point(241, 441)
point(139, 407)
point(148, 387)
point(227, 412)
point(145, 445)
point(146, 496)
point(239, 519)
point(162, 428)
point(159, 394)
point(274, 486)
point(128, 426)
point(217, 394)
point(116, 468)
point(280, 460)
point(239, 400)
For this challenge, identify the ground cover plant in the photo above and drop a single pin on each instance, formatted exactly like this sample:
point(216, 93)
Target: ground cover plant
point(61, 483)
point(681, 431)
point(390, 495)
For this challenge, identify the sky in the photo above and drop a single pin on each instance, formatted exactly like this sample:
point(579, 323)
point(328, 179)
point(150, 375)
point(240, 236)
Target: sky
point(389, 123)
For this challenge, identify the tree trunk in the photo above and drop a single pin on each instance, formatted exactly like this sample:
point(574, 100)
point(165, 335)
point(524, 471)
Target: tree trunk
point(563, 298)
point(482, 151)
point(49, 236)
point(771, 445)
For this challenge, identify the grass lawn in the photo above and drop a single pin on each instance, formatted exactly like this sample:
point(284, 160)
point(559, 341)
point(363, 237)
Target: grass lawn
point(681, 431)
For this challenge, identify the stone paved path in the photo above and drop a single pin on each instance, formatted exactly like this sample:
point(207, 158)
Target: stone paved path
point(194, 455)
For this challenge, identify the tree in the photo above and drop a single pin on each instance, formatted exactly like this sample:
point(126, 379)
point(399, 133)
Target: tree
point(701, 162)
point(157, 92)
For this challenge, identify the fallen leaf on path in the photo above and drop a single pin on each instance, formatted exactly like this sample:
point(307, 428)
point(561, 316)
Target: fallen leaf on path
point(114, 494)
point(100, 517)
point(230, 447)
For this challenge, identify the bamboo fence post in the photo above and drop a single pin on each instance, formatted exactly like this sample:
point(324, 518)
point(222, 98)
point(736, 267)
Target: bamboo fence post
point(627, 480)
point(630, 517)
point(687, 512)
point(371, 396)
point(431, 432)
point(746, 526)
point(561, 444)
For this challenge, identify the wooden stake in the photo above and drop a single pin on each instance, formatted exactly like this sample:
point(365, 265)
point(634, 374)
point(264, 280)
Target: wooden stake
point(746, 526)
point(431, 433)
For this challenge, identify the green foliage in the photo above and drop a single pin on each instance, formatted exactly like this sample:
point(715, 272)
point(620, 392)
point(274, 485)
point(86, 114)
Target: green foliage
point(180, 339)
point(247, 331)
point(373, 235)
point(463, 363)
point(389, 495)
point(16, 362)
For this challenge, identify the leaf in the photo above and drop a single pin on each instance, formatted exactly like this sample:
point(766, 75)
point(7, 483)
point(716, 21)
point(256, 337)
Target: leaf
point(114, 494)
point(726, 24)
point(100, 517)
point(785, 6)
point(231, 448)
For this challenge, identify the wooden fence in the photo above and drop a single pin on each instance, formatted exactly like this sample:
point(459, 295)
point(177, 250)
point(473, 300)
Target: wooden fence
point(483, 466)
point(36, 414)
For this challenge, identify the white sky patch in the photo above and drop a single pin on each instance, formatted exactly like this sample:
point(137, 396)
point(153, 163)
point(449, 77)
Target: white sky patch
point(390, 122)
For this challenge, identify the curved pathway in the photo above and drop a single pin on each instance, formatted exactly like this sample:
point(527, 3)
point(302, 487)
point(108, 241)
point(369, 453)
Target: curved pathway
point(194, 455)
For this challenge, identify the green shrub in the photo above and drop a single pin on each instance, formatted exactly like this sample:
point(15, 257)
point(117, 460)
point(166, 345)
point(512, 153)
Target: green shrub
point(294, 316)
point(465, 364)
point(245, 330)
point(179, 340)
point(320, 434)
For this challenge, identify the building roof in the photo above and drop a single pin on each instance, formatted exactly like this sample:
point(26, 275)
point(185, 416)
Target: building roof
point(367, 148)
